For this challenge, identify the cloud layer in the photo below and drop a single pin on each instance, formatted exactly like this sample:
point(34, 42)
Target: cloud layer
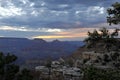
point(38, 17)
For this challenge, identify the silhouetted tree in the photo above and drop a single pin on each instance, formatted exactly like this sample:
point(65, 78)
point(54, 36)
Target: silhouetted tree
point(48, 65)
point(25, 75)
point(8, 69)
point(114, 14)
point(93, 37)
point(114, 18)
point(104, 36)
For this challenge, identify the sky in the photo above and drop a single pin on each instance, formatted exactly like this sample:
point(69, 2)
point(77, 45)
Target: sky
point(53, 19)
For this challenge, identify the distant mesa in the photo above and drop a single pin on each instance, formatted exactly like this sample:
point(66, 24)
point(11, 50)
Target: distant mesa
point(56, 41)
point(39, 40)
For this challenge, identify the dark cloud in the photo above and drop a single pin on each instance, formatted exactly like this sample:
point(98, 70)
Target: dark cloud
point(31, 18)
point(53, 13)
point(81, 2)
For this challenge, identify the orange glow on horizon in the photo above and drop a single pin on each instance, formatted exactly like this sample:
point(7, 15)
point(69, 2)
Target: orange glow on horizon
point(70, 33)
point(52, 37)
point(62, 36)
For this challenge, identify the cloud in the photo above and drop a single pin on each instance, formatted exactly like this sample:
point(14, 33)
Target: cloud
point(101, 25)
point(24, 29)
point(50, 17)
point(39, 13)
point(8, 9)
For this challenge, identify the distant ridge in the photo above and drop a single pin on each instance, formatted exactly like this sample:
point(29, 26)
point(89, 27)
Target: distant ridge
point(27, 49)
point(11, 38)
